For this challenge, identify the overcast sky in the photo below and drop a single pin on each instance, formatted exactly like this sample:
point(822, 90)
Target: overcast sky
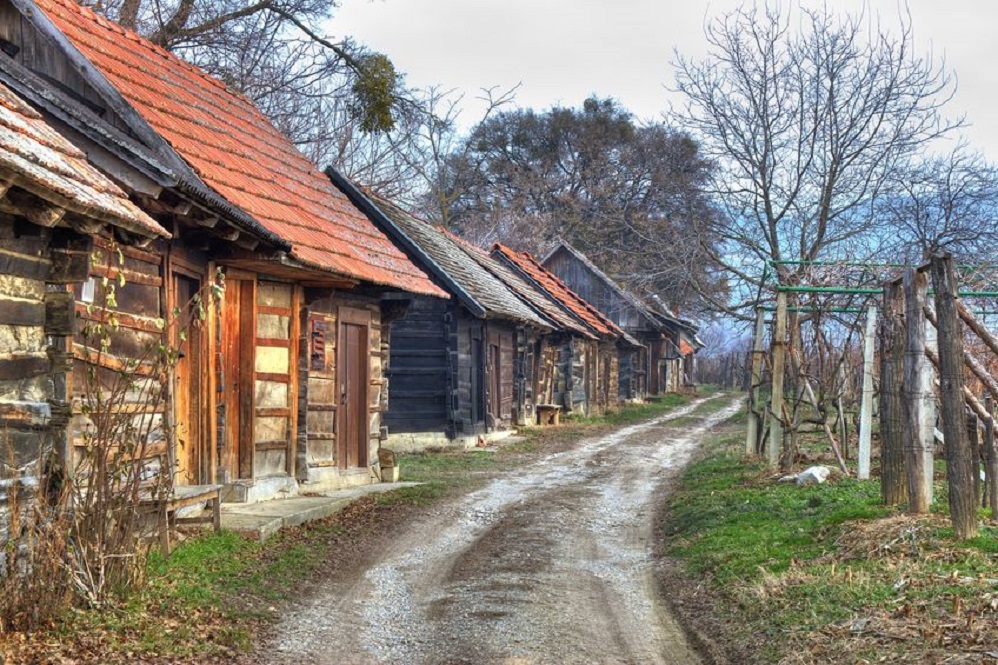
point(563, 50)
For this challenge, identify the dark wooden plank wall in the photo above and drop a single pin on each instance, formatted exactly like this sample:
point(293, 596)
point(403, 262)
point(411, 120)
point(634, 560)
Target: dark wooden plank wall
point(42, 56)
point(596, 292)
point(419, 368)
point(140, 312)
point(525, 396)
point(468, 351)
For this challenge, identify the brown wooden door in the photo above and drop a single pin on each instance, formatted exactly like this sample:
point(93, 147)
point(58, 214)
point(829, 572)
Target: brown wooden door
point(237, 368)
point(495, 381)
point(352, 440)
point(193, 460)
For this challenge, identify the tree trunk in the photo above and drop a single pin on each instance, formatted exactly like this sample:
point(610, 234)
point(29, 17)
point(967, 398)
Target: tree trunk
point(959, 464)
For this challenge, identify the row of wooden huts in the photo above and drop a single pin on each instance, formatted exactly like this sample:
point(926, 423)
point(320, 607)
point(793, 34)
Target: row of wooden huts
point(346, 324)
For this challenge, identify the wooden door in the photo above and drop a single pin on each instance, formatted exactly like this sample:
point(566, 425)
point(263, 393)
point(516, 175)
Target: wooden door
point(494, 378)
point(192, 457)
point(478, 373)
point(352, 376)
point(238, 334)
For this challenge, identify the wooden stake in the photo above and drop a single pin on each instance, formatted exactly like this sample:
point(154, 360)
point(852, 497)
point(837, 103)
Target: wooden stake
point(866, 408)
point(917, 393)
point(755, 413)
point(779, 364)
point(991, 461)
point(893, 483)
point(959, 466)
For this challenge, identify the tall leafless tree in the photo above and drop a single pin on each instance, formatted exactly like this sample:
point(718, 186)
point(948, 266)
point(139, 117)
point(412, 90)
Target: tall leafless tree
point(807, 115)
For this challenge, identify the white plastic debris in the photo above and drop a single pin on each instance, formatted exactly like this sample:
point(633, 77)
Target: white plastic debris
point(813, 475)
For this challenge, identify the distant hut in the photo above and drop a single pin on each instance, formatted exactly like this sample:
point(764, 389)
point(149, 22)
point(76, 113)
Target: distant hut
point(453, 364)
point(666, 363)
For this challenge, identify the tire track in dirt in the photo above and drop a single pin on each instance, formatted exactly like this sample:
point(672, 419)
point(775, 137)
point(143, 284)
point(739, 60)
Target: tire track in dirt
point(549, 564)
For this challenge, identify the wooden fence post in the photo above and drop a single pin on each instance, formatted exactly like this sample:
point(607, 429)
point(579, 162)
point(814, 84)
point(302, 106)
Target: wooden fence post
point(866, 408)
point(775, 444)
point(755, 412)
point(991, 460)
point(893, 482)
point(959, 465)
point(918, 415)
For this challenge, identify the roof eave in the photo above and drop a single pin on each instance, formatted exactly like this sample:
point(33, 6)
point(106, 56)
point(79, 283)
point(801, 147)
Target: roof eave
point(402, 240)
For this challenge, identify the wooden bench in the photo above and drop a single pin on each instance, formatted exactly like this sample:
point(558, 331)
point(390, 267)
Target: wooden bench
point(183, 496)
point(548, 414)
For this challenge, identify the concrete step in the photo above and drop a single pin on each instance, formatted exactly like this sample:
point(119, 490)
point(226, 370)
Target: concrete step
point(262, 520)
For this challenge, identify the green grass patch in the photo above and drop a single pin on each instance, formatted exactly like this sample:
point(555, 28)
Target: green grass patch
point(789, 566)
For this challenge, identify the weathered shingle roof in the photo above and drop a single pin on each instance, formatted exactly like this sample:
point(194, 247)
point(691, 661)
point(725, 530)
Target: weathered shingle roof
point(655, 317)
point(559, 291)
point(238, 152)
point(451, 262)
point(36, 158)
point(527, 292)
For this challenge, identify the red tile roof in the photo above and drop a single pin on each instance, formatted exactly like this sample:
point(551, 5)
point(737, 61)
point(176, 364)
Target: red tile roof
point(591, 316)
point(238, 152)
point(36, 158)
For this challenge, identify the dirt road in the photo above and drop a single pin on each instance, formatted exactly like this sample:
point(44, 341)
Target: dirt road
point(549, 564)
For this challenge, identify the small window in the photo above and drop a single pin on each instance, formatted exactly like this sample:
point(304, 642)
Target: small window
point(87, 292)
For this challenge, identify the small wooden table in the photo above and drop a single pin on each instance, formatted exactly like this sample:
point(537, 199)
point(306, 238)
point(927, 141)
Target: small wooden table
point(183, 496)
point(548, 414)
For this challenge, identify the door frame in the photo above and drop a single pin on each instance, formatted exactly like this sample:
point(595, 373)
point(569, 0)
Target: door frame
point(362, 318)
point(176, 267)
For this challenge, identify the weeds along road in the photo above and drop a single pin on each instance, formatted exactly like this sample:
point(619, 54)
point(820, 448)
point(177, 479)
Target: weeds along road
point(551, 563)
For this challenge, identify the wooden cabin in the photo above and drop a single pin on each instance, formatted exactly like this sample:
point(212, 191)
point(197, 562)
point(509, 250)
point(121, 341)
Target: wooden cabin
point(456, 368)
point(657, 367)
point(551, 377)
point(52, 204)
point(282, 385)
point(598, 367)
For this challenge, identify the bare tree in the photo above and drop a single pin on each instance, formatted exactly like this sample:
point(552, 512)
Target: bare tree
point(943, 203)
point(274, 52)
point(807, 115)
point(622, 191)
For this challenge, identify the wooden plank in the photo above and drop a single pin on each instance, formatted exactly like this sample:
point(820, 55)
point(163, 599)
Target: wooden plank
point(277, 444)
point(28, 266)
point(296, 361)
point(270, 309)
point(21, 312)
point(775, 444)
point(961, 467)
point(917, 421)
point(866, 405)
point(270, 376)
point(277, 343)
point(131, 276)
point(893, 482)
point(273, 412)
point(754, 429)
point(15, 367)
point(246, 363)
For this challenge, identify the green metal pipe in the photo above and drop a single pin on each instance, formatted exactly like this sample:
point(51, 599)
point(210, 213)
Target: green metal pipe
point(829, 289)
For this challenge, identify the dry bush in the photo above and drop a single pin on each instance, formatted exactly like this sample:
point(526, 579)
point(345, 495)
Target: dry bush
point(35, 582)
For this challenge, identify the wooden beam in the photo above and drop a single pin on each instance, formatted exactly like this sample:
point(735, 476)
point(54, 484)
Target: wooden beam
point(917, 393)
point(779, 364)
point(247, 243)
point(866, 405)
point(755, 413)
point(208, 222)
point(33, 209)
point(961, 467)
